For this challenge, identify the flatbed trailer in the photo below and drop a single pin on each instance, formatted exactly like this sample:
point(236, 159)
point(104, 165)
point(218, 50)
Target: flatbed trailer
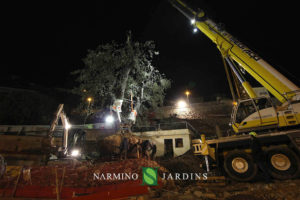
point(232, 154)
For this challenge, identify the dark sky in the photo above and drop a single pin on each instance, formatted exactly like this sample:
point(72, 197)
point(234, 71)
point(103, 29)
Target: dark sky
point(43, 42)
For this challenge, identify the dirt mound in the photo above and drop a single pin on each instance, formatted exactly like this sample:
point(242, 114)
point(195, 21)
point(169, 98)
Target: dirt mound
point(186, 163)
point(111, 144)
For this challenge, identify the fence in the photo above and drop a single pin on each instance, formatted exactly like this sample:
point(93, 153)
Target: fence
point(165, 126)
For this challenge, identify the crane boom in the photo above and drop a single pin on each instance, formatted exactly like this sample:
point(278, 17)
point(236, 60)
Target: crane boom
point(258, 114)
point(276, 83)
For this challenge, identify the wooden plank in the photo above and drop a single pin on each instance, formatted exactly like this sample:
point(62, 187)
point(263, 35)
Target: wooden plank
point(18, 144)
point(17, 182)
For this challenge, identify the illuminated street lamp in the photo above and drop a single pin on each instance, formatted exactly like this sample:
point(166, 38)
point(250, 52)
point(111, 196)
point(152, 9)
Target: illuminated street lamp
point(89, 99)
point(187, 93)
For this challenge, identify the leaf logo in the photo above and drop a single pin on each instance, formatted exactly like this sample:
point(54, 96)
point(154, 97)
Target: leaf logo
point(149, 176)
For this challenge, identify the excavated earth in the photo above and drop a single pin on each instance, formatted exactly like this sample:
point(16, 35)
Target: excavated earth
point(80, 174)
point(222, 189)
point(278, 190)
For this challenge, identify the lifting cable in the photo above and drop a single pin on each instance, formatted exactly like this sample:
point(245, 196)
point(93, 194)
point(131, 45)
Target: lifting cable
point(229, 79)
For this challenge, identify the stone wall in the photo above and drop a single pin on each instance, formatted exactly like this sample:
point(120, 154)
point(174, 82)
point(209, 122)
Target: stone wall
point(198, 110)
point(205, 117)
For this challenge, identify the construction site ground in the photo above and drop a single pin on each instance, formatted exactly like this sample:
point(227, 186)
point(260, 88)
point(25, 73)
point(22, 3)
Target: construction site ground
point(72, 173)
point(219, 187)
point(278, 190)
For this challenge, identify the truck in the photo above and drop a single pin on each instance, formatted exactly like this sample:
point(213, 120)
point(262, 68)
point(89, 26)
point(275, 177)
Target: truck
point(275, 119)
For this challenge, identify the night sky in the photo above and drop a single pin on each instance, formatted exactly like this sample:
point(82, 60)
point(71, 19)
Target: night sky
point(43, 42)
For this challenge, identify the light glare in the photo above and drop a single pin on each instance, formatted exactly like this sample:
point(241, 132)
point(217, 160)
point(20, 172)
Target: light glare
point(75, 153)
point(67, 126)
point(181, 104)
point(109, 119)
point(89, 99)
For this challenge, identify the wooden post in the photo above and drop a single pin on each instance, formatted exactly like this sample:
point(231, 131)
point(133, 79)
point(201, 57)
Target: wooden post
point(62, 179)
point(57, 185)
point(17, 182)
point(218, 131)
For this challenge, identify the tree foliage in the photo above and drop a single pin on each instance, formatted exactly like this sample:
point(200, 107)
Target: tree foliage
point(118, 71)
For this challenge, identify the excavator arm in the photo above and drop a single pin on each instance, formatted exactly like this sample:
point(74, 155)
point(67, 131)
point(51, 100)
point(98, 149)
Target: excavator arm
point(232, 49)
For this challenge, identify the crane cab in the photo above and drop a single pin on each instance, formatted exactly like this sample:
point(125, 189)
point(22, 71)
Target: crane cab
point(261, 114)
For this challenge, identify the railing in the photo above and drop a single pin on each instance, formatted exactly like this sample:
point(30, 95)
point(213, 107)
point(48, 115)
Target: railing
point(165, 126)
point(42, 130)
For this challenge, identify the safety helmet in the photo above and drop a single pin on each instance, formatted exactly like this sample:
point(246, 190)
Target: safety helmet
point(253, 133)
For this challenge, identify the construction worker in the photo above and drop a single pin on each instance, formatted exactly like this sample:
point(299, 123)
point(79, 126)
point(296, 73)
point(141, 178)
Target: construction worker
point(78, 138)
point(146, 149)
point(258, 155)
point(135, 147)
point(153, 153)
point(139, 148)
point(124, 148)
point(2, 166)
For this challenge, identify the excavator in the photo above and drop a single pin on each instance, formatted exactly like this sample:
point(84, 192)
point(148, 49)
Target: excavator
point(276, 122)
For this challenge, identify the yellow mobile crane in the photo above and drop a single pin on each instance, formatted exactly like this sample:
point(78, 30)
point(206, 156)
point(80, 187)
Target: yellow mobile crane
point(253, 113)
point(258, 114)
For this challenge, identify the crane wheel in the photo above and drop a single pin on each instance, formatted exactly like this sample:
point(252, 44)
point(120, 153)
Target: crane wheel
point(282, 163)
point(240, 166)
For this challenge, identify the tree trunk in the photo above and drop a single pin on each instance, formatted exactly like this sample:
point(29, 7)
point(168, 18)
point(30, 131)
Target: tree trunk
point(125, 72)
point(123, 79)
point(138, 104)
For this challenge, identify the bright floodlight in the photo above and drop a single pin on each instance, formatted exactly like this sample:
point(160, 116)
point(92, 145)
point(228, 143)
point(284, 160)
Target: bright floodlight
point(75, 153)
point(181, 104)
point(67, 125)
point(109, 119)
point(195, 30)
point(193, 21)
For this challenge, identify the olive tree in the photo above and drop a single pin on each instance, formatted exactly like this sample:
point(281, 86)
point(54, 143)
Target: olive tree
point(122, 71)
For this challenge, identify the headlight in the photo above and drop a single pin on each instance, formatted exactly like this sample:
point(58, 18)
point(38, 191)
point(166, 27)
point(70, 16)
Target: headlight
point(75, 153)
point(109, 119)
